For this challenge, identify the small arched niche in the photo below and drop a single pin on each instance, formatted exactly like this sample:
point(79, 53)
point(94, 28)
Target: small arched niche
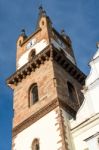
point(32, 54)
point(35, 144)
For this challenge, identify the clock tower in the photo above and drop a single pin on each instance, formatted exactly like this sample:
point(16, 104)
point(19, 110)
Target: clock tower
point(46, 89)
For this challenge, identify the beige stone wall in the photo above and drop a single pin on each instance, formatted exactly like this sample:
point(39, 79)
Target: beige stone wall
point(49, 77)
point(62, 76)
point(43, 76)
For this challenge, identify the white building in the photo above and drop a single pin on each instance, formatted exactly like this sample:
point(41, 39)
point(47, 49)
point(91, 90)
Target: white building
point(85, 129)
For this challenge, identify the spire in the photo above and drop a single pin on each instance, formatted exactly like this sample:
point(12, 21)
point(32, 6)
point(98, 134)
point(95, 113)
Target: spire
point(65, 36)
point(42, 13)
point(23, 33)
point(63, 32)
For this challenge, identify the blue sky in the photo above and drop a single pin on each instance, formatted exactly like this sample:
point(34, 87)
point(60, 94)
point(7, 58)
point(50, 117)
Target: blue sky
point(80, 20)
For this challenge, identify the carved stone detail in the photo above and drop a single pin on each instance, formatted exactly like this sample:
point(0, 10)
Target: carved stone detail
point(33, 118)
point(47, 53)
point(62, 129)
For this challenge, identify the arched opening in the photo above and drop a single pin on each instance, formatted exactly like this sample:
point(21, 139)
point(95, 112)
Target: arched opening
point(33, 94)
point(71, 92)
point(32, 54)
point(35, 144)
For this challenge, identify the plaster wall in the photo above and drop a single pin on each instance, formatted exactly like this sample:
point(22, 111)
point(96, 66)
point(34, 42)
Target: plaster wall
point(93, 143)
point(44, 129)
point(86, 125)
point(38, 47)
point(84, 131)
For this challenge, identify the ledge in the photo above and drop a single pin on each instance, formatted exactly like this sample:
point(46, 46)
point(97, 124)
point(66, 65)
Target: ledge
point(49, 52)
point(29, 67)
point(34, 117)
point(72, 69)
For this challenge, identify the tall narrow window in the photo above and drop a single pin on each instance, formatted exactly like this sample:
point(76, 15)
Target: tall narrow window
point(71, 91)
point(35, 145)
point(33, 94)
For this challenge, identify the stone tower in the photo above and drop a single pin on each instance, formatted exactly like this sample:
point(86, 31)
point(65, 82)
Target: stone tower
point(47, 89)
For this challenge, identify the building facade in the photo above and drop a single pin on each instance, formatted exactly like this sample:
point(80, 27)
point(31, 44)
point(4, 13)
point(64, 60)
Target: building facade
point(85, 129)
point(47, 92)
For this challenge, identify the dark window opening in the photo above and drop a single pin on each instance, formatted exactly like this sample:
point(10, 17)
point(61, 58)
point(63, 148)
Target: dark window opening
point(42, 22)
point(37, 147)
point(71, 91)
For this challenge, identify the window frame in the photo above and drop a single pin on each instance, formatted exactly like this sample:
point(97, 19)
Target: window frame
point(36, 96)
point(71, 92)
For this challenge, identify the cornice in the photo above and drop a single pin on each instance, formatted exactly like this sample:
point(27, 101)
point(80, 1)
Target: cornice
point(42, 112)
point(49, 52)
point(72, 69)
point(29, 67)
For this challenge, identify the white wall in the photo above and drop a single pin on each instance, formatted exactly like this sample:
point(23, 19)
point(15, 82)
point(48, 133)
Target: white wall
point(37, 46)
point(90, 105)
point(84, 131)
point(44, 129)
point(93, 143)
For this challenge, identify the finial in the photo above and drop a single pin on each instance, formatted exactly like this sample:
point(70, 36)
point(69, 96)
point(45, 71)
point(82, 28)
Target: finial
point(65, 36)
point(63, 32)
point(23, 32)
point(41, 8)
point(42, 11)
point(97, 44)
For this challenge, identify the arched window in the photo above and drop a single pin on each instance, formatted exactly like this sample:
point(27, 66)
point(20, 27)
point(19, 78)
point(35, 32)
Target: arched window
point(35, 145)
point(33, 94)
point(71, 91)
point(32, 54)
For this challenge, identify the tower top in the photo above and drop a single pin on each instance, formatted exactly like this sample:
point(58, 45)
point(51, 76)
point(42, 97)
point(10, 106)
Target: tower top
point(42, 13)
point(45, 40)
